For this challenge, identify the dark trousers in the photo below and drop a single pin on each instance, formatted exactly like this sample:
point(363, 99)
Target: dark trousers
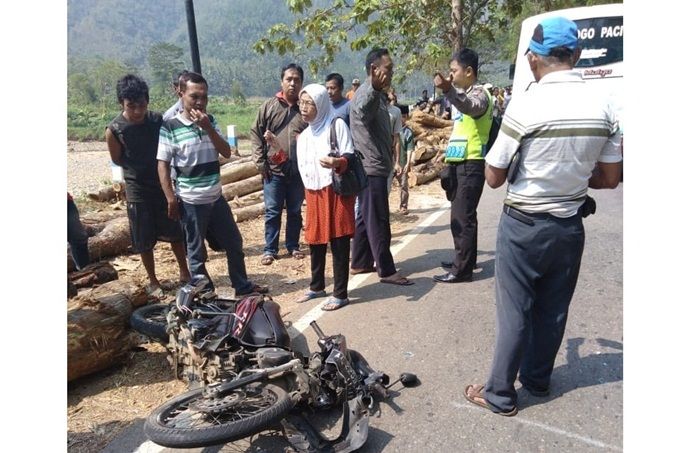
point(536, 272)
point(463, 222)
point(77, 237)
point(372, 231)
point(340, 248)
point(216, 219)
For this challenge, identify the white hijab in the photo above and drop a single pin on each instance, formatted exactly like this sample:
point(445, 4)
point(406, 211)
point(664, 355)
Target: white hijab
point(314, 142)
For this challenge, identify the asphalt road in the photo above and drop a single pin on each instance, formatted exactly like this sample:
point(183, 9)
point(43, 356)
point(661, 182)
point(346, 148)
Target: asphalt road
point(445, 334)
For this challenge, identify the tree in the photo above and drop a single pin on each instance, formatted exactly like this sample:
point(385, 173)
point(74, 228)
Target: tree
point(165, 59)
point(412, 30)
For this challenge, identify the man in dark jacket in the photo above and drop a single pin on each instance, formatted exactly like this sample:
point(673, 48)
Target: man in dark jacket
point(274, 138)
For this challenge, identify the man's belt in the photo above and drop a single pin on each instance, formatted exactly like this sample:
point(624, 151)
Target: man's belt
point(526, 218)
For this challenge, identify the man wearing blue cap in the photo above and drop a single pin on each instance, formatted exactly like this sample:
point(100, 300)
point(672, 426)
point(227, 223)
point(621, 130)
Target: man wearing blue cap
point(559, 138)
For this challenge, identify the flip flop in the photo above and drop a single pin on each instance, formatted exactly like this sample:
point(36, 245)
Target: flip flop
point(297, 254)
point(397, 280)
point(311, 295)
point(362, 271)
point(476, 396)
point(155, 292)
point(267, 260)
point(334, 303)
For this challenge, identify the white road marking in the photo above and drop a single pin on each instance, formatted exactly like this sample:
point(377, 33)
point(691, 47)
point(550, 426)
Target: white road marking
point(149, 447)
point(551, 429)
point(316, 312)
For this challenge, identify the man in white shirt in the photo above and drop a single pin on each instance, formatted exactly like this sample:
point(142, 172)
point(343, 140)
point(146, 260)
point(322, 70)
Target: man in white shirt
point(557, 140)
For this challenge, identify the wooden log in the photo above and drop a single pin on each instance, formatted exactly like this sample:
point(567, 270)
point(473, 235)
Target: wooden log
point(429, 120)
point(93, 274)
point(242, 187)
point(247, 200)
point(94, 229)
point(98, 327)
point(233, 160)
point(102, 216)
point(424, 153)
point(237, 172)
point(112, 193)
point(416, 179)
point(248, 212)
point(114, 239)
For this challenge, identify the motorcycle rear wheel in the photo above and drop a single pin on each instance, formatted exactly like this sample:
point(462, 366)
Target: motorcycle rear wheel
point(238, 414)
point(150, 321)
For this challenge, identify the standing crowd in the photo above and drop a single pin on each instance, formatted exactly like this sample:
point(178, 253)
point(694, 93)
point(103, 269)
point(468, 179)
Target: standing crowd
point(556, 140)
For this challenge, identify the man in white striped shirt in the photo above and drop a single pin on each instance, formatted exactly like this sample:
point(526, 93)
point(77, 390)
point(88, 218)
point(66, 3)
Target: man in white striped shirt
point(559, 138)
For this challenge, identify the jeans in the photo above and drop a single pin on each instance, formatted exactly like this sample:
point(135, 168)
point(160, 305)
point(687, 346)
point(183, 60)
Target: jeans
point(217, 220)
point(278, 192)
point(77, 237)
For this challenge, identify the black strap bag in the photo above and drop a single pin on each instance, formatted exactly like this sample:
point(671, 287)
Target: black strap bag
point(354, 179)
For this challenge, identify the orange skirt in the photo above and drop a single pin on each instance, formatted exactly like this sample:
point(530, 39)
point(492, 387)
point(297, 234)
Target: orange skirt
point(328, 215)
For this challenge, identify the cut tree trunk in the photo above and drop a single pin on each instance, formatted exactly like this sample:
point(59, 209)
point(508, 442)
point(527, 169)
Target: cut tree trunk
point(102, 216)
point(114, 239)
point(247, 200)
point(98, 327)
point(237, 172)
point(416, 179)
point(226, 162)
point(242, 187)
point(93, 274)
point(424, 153)
point(248, 212)
point(433, 121)
point(114, 192)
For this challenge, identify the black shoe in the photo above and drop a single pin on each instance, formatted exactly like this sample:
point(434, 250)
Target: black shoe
point(451, 278)
point(448, 265)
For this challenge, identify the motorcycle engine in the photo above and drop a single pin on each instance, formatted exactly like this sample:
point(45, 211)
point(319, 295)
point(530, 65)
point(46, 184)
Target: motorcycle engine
point(270, 357)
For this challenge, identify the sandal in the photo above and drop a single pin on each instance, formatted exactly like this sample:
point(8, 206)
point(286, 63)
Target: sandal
point(334, 303)
point(363, 271)
point(297, 254)
point(155, 292)
point(311, 295)
point(396, 279)
point(475, 395)
point(267, 260)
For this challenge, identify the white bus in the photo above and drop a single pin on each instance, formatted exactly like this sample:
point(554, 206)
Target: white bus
point(600, 32)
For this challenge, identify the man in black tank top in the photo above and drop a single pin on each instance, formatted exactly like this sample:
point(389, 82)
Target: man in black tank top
point(132, 139)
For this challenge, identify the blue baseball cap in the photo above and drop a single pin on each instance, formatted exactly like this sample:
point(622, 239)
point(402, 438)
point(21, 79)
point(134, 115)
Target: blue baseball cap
point(553, 32)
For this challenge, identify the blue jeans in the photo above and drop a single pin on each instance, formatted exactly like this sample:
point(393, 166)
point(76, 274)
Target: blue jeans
point(277, 192)
point(217, 220)
point(77, 237)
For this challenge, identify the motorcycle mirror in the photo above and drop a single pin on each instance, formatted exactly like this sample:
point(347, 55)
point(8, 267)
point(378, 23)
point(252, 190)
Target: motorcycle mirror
point(409, 380)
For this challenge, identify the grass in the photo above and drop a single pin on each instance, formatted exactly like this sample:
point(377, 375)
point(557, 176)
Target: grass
point(88, 122)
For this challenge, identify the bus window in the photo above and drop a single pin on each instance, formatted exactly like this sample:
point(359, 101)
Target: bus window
point(601, 41)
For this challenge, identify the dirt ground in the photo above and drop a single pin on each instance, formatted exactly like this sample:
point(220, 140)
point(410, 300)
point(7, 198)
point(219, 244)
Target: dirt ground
point(102, 404)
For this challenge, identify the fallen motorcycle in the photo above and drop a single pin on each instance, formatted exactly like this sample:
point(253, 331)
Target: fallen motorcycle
point(204, 334)
point(238, 354)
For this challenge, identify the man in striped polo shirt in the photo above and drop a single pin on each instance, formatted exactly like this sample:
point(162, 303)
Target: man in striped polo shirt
point(192, 142)
point(567, 139)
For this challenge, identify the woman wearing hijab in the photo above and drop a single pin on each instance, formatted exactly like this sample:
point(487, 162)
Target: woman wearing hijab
point(330, 218)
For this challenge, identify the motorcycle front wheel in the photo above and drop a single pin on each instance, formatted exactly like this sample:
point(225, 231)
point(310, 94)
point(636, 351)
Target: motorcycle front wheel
point(150, 321)
point(194, 420)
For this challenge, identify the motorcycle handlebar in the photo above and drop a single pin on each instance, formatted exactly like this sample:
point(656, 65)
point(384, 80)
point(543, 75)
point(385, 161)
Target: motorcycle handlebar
point(317, 329)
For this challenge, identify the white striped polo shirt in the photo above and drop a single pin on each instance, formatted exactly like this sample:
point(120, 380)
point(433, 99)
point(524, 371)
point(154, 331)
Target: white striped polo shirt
point(194, 157)
point(562, 127)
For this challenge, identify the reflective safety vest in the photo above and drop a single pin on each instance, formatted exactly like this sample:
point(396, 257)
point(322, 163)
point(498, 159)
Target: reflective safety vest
point(470, 135)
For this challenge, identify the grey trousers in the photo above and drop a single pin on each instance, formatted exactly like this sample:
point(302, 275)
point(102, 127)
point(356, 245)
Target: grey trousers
point(536, 272)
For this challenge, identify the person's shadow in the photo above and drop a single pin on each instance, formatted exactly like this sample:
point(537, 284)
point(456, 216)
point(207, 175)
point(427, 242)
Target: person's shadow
point(579, 372)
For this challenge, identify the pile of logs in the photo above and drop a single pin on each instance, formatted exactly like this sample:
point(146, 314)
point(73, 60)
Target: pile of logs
point(430, 134)
point(108, 230)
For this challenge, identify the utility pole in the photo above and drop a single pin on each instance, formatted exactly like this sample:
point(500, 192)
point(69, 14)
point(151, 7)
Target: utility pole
point(192, 29)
